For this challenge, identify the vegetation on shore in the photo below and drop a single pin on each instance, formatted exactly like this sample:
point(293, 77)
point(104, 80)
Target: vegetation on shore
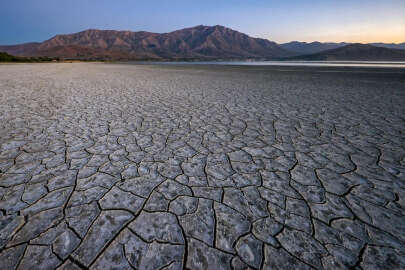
point(5, 57)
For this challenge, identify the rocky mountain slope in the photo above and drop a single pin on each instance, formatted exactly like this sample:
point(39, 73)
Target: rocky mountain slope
point(201, 42)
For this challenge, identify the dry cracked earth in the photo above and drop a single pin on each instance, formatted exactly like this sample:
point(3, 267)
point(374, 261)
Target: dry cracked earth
point(113, 166)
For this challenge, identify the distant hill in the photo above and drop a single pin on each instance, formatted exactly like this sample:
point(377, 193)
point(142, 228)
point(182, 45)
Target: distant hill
point(356, 52)
point(20, 49)
point(302, 48)
point(200, 42)
point(390, 45)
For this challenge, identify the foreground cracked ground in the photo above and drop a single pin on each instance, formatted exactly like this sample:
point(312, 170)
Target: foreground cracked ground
point(108, 166)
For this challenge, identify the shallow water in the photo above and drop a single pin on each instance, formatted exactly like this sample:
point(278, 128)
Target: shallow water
point(373, 64)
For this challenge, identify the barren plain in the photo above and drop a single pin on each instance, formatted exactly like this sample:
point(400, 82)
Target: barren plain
point(120, 166)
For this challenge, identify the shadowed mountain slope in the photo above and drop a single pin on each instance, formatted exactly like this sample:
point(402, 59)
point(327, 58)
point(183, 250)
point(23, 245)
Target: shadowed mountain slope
point(303, 48)
point(359, 52)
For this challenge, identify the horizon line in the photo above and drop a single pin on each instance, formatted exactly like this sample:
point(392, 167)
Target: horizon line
point(253, 36)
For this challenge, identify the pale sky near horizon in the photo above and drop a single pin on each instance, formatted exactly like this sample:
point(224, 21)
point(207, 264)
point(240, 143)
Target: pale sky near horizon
point(281, 21)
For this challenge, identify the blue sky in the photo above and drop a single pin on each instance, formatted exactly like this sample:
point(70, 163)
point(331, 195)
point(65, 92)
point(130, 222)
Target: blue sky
point(280, 21)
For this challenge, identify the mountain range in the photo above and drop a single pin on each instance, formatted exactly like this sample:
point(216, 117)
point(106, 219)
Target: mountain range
point(200, 42)
point(301, 48)
point(355, 52)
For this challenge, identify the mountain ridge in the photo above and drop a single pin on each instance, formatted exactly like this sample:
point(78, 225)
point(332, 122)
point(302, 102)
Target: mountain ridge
point(301, 48)
point(355, 52)
point(199, 42)
point(202, 42)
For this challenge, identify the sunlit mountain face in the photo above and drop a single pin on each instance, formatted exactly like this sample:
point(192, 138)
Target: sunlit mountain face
point(197, 43)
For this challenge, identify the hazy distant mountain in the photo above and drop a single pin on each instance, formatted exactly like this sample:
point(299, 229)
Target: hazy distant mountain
point(302, 48)
point(20, 49)
point(390, 45)
point(359, 52)
point(202, 42)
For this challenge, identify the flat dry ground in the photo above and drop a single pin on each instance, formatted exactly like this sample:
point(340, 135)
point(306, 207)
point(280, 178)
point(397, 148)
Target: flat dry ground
point(125, 166)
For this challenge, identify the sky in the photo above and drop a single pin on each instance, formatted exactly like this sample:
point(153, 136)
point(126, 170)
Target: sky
point(280, 21)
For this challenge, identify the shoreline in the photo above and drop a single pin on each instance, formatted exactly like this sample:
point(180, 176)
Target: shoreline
point(315, 63)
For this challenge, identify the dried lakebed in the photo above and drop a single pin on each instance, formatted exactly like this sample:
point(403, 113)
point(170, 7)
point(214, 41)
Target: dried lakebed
point(114, 166)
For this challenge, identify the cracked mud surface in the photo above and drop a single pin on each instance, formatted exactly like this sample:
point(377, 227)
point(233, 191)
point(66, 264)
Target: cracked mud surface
point(108, 166)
